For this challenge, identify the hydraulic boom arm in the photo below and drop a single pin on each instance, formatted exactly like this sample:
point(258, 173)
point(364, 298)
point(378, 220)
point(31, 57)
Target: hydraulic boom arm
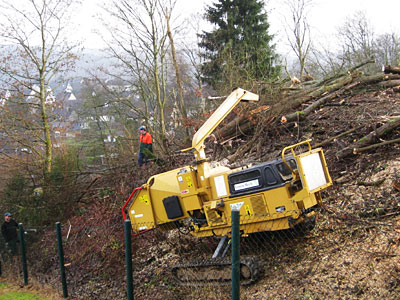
point(216, 118)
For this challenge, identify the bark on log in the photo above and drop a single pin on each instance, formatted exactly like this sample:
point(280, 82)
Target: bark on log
point(391, 69)
point(327, 141)
point(236, 127)
point(378, 145)
point(369, 139)
point(351, 70)
point(372, 79)
point(389, 83)
point(317, 93)
point(362, 64)
point(239, 125)
point(299, 115)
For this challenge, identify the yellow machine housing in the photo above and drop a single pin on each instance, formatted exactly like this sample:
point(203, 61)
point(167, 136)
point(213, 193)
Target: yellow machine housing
point(271, 196)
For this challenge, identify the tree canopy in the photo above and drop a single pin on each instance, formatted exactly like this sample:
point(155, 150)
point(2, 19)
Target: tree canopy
point(238, 44)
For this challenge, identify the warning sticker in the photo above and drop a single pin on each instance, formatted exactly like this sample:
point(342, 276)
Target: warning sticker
point(248, 210)
point(189, 181)
point(144, 199)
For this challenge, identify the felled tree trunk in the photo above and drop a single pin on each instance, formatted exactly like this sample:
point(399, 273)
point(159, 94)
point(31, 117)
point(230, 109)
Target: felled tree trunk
point(391, 69)
point(389, 83)
point(302, 114)
point(307, 95)
point(369, 139)
point(239, 125)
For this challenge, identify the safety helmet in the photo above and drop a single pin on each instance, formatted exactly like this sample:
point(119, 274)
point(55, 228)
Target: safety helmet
point(7, 214)
point(142, 127)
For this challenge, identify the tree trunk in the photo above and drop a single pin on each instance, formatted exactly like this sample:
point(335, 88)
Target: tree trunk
point(316, 93)
point(46, 131)
point(391, 69)
point(316, 104)
point(182, 107)
point(389, 83)
point(369, 139)
point(157, 86)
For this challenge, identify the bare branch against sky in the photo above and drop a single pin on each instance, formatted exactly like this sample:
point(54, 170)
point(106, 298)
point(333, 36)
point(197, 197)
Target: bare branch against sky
point(324, 18)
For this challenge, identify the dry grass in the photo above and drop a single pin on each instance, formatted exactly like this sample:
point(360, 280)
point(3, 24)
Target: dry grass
point(12, 285)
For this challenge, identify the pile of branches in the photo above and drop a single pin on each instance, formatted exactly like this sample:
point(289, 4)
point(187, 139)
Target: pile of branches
point(299, 99)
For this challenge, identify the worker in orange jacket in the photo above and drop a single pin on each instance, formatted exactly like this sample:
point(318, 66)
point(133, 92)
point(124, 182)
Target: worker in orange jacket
point(145, 146)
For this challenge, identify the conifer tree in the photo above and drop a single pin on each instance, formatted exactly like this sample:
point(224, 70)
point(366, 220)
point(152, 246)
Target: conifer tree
point(239, 47)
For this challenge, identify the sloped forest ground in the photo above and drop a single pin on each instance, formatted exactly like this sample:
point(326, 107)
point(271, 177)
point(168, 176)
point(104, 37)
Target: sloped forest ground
point(354, 250)
point(352, 253)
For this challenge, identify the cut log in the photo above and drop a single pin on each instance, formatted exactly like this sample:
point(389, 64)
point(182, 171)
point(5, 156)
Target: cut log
point(369, 139)
point(351, 70)
point(389, 83)
point(327, 141)
point(391, 69)
point(239, 125)
point(358, 150)
point(302, 114)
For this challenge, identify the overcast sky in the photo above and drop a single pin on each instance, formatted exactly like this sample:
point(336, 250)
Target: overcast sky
point(325, 16)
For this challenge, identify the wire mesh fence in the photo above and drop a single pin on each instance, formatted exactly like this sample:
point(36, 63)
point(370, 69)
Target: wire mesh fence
point(329, 255)
point(325, 256)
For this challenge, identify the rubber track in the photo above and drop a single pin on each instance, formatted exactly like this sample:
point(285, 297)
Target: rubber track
point(252, 262)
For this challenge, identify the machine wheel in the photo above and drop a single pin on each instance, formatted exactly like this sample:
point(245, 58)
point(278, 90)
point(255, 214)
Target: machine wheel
point(245, 272)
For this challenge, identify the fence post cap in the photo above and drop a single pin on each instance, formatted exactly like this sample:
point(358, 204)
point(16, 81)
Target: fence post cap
point(236, 206)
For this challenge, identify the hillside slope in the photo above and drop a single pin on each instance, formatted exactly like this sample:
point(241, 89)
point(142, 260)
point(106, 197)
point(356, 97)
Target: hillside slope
point(352, 253)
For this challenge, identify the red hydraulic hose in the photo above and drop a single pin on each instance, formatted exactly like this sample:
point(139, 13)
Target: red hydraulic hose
point(123, 211)
point(127, 201)
point(144, 231)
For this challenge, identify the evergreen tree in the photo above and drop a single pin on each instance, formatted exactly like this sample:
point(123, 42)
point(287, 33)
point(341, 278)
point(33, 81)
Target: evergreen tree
point(239, 47)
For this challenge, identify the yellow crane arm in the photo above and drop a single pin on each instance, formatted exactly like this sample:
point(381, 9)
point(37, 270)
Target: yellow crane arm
point(217, 117)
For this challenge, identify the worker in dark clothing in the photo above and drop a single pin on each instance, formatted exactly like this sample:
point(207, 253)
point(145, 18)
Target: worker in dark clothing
point(145, 146)
point(9, 231)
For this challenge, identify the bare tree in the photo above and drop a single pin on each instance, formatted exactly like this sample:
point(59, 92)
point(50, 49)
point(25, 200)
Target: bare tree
point(139, 43)
point(35, 53)
point(356, 39)
point(298, 31)
point(192, 52)
point(387, 48)
point(356, 43)
point(182, 106)
point(110, 120)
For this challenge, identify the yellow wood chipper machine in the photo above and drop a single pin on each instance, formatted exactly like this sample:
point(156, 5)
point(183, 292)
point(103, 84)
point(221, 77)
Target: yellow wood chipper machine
point(273, 195)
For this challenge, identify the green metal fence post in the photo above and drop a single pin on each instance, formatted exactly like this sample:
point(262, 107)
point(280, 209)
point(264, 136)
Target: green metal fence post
point(128, 259)
point(235, 255)
point(61, 259)
point(23, 253)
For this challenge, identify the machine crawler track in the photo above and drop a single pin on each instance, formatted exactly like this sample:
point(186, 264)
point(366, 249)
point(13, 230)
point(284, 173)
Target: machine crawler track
point(217, 271)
